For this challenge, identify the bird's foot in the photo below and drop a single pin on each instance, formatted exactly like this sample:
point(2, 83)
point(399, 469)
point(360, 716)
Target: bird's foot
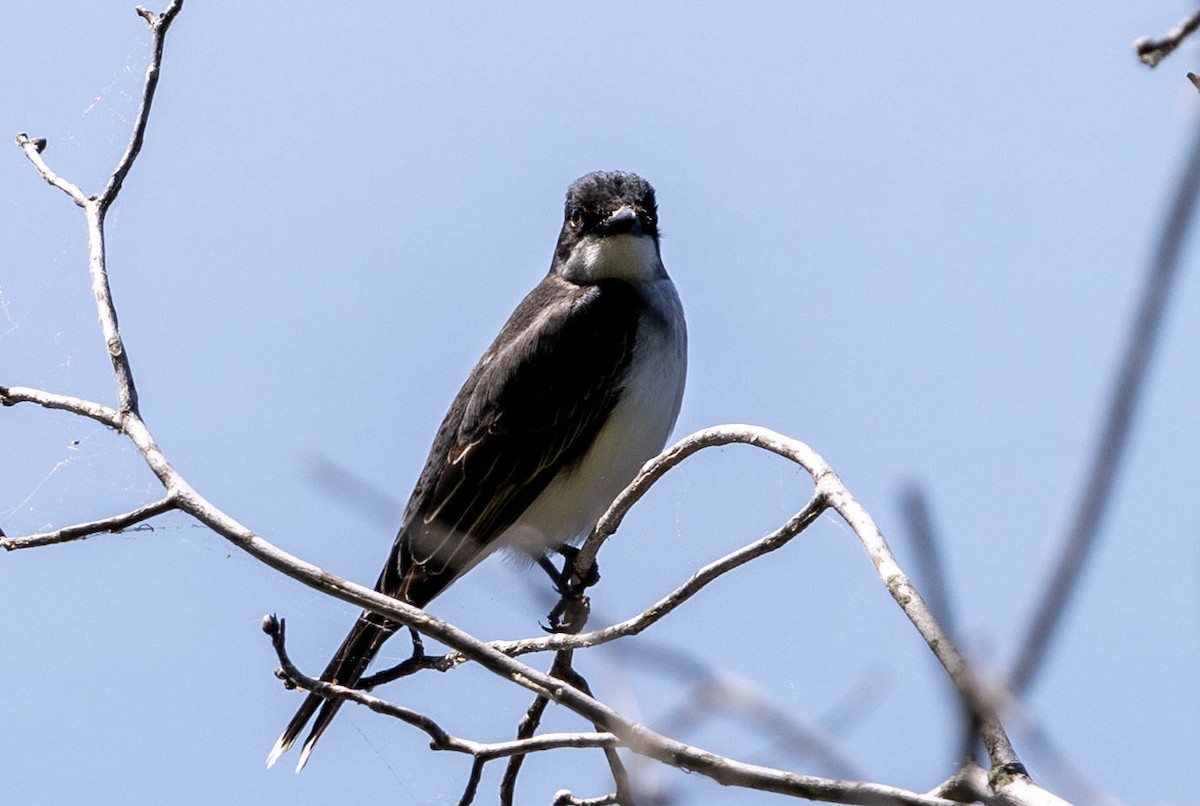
point(570, 615)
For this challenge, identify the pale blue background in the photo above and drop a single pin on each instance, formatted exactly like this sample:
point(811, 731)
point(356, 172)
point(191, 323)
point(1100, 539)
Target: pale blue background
point(910, 235)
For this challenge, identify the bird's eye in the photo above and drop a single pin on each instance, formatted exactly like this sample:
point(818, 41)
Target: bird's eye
point(576, 217)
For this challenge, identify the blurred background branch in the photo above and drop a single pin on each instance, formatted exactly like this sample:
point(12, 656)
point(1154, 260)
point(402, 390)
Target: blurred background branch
point(1152, 51)
point(1113, 440)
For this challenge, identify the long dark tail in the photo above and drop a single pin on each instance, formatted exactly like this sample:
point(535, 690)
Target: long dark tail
point(348, 666)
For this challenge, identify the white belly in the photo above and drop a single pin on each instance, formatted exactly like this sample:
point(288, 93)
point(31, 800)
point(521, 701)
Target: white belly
point(636, 430)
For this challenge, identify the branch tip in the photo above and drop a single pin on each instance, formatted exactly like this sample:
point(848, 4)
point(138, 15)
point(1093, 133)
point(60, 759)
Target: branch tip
point(38, 143)
point(1152, 51)
point(272, 625)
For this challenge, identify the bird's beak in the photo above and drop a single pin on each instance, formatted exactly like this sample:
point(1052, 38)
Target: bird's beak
point(623, 221)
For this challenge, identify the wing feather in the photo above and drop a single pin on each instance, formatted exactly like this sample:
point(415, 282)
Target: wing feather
point(531, 408)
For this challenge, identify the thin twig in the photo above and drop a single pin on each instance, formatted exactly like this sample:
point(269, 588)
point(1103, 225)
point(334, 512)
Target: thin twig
point(643, 740)
point(1152, 51)
point(563, 797)
point(562, 669)
point(930, 570)
point(1052, 759)
point(527, 727)
point(33, 149)
point(417, 662)
point(12, 395)
point(1114, 437)
point(159, 23)
point(927, 548)
point(440, 739)
point(1007, 768)
point(95, 208)
point(81, 531)
point(698, 581)
point(620, 775)
point(127, 401)
point(631, 626)
point(472, 787)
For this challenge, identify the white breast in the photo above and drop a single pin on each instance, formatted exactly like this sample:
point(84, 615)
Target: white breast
point(636, 431)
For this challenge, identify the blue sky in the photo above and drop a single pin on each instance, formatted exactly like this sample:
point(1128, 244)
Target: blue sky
point(909, 236)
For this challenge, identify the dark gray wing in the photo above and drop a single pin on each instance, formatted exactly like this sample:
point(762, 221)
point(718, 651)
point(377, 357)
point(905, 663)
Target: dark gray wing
point(532, 406)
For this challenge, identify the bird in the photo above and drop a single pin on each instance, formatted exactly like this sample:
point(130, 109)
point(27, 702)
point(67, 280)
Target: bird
point(580, 388)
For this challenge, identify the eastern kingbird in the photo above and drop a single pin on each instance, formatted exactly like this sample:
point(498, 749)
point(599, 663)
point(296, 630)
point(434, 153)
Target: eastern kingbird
point(579, 390)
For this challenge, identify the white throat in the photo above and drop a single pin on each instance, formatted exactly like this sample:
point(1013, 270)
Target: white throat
point(632, 258)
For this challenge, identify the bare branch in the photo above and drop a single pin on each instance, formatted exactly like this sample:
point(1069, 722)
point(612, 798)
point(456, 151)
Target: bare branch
point(620, 775)
point(1068, 777)
point(159, 24)
point(527, 727)
point(968, 785)
point(416, 662)
point(98, 269)
point(638, 738)
point(915, 508)
point(699, 580)
point(472, 786)
point(971, 784)
point(440, 739)
point(563, 797)
point(1114, 436)
point(562, 669)
point(96, 208)
point(1152, 51)
point(1005, 763)
point(33, 150)
point(12, 395)
point(81, 531)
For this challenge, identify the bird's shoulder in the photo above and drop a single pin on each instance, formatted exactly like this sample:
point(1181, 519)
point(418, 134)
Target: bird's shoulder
point(563, 343)
point(539, 392)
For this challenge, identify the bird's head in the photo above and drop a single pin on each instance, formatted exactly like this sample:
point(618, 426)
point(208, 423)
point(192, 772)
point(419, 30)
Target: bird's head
point(610, 230)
